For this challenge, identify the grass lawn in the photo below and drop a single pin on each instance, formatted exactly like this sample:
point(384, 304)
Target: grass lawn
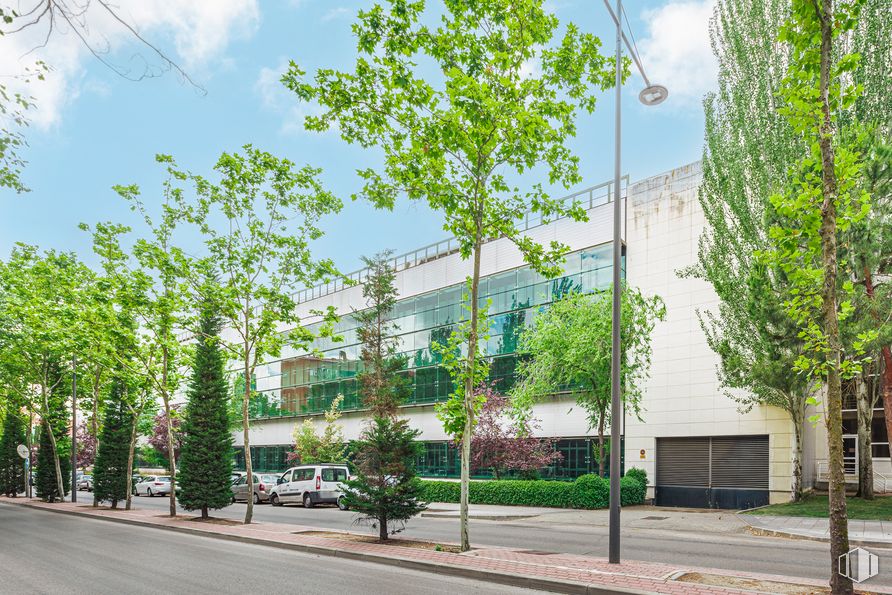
point(878, 509)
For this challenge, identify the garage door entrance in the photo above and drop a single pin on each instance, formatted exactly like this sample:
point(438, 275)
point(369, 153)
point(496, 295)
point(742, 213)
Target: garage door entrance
point(712, 472)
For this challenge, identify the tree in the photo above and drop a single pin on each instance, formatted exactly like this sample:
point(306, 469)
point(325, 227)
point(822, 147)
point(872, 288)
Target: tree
point(330, 447)
point(157, 439)
point(568, 347)
point(385, 490)
point(503, 444)
point(257, 224)
point(113, 465)
point(12, 468)
point(456, 109)
point(41, 302)
point(206, 456)
point(87, 444)
point(822, 199)
point(748, 147)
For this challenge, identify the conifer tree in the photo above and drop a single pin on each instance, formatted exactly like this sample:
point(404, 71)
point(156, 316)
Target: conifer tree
point(111, 469)
point(385, 491)
point(206, 455)
point(46, 483)
point(12, 470)
point(53, 467)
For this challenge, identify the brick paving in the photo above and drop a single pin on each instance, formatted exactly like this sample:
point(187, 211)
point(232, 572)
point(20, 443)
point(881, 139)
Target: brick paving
point(575, 573)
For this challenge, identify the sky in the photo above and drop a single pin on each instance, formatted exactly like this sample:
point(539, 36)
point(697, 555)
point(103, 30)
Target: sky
point(92, 128)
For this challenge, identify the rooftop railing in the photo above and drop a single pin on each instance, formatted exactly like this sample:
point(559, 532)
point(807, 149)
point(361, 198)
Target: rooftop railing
point(589, 198)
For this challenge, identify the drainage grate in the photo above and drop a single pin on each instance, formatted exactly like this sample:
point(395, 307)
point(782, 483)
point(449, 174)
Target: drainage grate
point(654, 518)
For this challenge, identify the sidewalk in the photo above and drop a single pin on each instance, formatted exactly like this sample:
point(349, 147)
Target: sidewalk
point(876, 533)
point(565, 573)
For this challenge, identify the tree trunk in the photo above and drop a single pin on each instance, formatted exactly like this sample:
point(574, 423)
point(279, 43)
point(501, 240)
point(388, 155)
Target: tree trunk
point(865, 458)
point(46, 408)
point(839, 529)
point(382, 527)
point(249, 502)
point(170, 443)
point(469, 399)
point(95, 424)
point(130, 455)
point(601, 445)
point(204, 511)
point(796, 416)
point(28, 488)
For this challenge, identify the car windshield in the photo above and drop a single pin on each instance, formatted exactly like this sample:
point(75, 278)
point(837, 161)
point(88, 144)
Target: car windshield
point(162, 479)
point(269, 478)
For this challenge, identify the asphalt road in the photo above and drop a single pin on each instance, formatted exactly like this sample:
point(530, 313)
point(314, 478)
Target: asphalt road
point(46, 552)
point(743, 552)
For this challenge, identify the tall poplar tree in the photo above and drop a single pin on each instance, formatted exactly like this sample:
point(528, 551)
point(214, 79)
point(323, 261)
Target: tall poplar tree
point(206, 454)
point(458, 109)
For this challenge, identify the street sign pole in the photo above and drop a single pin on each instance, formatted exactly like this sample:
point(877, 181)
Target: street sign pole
point(25, 453)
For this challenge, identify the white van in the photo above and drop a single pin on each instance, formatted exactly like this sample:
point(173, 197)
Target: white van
point(311, 485)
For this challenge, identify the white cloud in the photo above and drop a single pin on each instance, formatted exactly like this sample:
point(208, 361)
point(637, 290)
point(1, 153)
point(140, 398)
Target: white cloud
point(336, 13)
point(199, 32)
point(676, 50)
point(277, 99)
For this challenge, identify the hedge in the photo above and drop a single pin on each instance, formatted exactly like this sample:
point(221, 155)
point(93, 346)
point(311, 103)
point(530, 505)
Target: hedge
point(588, 491)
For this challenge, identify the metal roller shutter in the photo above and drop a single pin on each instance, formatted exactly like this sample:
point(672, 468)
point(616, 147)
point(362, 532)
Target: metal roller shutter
point(712, 472)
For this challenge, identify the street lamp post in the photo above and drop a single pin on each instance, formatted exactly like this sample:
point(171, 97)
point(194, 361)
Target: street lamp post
point(651, 95)
point(74, 429)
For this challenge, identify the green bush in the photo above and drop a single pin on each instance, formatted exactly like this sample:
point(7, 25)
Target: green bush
point(588, 491)
point(639, 474)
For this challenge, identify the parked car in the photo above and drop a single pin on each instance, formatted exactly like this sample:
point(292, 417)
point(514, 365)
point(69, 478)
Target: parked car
point(85, 482)
point(153, 485)
point(263, 484)
point(237, 475)
point(311, 485)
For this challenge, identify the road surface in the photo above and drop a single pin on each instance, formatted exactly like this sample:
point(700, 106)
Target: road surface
point(47, 552)
point(771, 555)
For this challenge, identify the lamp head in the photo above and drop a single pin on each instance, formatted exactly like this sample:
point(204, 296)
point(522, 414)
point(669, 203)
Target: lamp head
point(653, 95)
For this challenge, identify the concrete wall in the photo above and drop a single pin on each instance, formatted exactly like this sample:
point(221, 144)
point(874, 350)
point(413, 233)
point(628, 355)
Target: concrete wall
point(683, 396)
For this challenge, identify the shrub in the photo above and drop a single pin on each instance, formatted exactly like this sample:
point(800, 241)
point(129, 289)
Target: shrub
point(588, 491)
point(639, 474)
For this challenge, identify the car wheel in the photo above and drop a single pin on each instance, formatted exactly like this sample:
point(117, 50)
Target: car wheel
point(342, 503)
point(308, 501)
point(274, 500)
point(256, 499)
point(149, 492)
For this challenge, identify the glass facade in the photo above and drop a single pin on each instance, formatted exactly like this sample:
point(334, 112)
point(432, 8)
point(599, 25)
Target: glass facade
point(302, 383)
point(441, 459)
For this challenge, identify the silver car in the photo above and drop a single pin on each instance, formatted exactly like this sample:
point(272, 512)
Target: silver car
point(263, 485)
point(85, 482)
point(153, 485)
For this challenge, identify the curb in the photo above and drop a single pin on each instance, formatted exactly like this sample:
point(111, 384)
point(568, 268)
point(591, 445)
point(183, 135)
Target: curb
point(759, 531)
point(492, 576)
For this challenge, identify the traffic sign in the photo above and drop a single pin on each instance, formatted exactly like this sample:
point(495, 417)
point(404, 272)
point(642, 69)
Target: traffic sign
point(22, 450)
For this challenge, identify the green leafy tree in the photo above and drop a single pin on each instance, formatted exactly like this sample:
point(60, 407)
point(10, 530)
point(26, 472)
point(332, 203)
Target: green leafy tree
point(41, 303)
point(748, 148)
point(385, 490)
point(206, 454)
point(113, 463)
point(822, 200)
point(492, 91)
point(568, 348)
point(12, 469)
point(257, 223)
point(330, 447)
